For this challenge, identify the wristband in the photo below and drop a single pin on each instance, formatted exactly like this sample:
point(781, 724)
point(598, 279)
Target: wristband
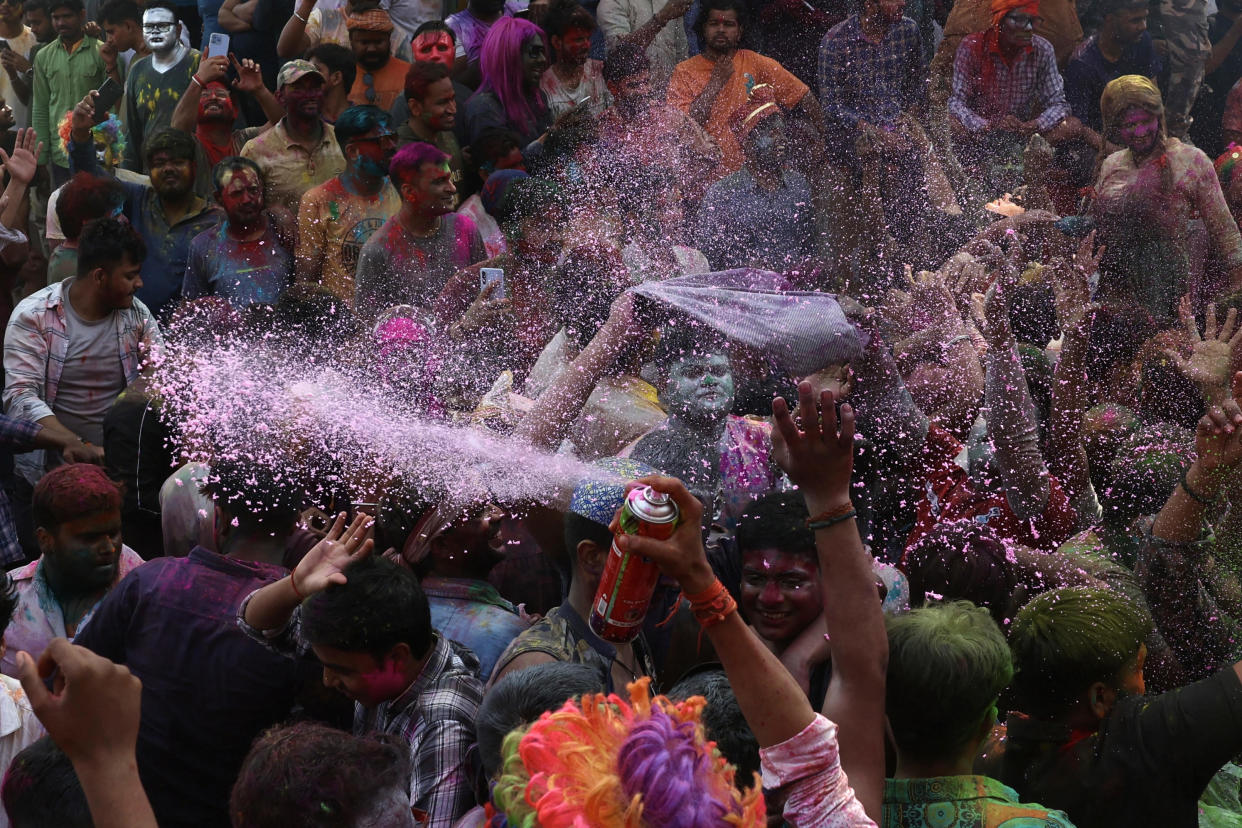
point(293, 584)
point(959, 338)
point(712, 605)
point(1195, 496)
point(846, 508)
point(815, 526)
point(300, 17)
point(197, 81)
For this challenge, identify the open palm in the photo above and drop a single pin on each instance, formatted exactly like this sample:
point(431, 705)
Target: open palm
point(325, 564)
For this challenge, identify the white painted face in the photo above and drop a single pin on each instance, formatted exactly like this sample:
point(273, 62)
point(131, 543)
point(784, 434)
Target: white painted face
point(159, 30)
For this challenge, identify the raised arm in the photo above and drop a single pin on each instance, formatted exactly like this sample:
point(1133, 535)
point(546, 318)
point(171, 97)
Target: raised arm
point(21, 167)
point(293, 38)
point(643, 36)
point(185, 114)
point(819, 460)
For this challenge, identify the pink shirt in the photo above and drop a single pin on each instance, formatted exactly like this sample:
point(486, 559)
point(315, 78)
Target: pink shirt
point(808, 768)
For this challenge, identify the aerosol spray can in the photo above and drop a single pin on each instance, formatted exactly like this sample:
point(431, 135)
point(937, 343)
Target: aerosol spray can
point(629, 580)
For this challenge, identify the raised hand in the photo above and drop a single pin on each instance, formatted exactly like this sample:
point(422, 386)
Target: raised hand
point(83, 117)
point(24, 162)
point(817, 451)
point(249, 75)
point(1071, 290)
point(324, 565)
point(1218, 437)
point(212, 69)
point(1214, 355)
point(682, 556)
point(92, 711)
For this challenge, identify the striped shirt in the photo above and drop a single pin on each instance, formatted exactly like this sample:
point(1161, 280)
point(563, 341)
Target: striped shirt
point(36, 343)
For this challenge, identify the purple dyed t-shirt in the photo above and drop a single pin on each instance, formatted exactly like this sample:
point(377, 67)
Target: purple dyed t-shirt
point(470, 30)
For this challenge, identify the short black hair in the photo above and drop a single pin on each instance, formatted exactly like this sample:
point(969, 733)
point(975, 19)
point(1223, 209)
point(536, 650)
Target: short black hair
point(74, 6)
point(107, 242)
point(359, 120)
point(35, 5)
point(777, 520)
point(233, 164)
point(178, 144)
point(625, 60)
point(337, 58)
point(120, 11)
point(723, 722)
point(254, 494)
point(41, 790)
point(563, 15)
point(709, 6)
point(522, 697)
point(435, 26)
point(166, 5)
point(379, 606)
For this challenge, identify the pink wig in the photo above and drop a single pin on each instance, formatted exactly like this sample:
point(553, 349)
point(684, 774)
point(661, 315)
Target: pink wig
point(608, 763)
point(500, 63)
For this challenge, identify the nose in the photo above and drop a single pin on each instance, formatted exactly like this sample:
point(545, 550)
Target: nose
point(450, 187)
point(770, 595)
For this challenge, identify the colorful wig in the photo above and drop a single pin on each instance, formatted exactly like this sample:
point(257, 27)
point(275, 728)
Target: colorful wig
point(500, 63)
point(111, 131)
point(608, 763)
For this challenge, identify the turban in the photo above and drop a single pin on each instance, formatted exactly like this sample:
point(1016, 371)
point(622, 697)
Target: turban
point(1125, 92)
point(759, 105)
point(1000, 8)
point(375, 20)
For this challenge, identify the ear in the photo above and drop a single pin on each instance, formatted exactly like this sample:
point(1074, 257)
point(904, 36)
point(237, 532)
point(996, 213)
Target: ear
point(591, 557)
point(45, 540)
point(99, 275)
point(399, 655)
point(415, 106)
point(1101, 698)
point(220, 523)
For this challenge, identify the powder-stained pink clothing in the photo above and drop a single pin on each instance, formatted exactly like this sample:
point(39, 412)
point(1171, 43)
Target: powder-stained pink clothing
point(808, 768)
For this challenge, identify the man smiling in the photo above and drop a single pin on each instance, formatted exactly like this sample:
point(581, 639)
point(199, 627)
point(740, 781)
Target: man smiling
point(157, 81)
point(368, 622)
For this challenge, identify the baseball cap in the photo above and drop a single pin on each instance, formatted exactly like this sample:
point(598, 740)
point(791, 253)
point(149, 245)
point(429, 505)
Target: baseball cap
point(295, 70)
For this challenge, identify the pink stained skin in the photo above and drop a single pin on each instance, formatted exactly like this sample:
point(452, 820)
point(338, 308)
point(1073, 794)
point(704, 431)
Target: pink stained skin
point(1139, 130)
point(781, 593)
point(360, 676)
point(433, 47)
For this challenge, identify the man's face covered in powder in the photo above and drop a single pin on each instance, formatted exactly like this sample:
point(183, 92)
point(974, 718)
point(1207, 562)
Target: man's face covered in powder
point(159, 30)
point(699, 389)
point(242, 197)
point(434, 47)
point(360, 676)
point(85, 551)
point(780, 593)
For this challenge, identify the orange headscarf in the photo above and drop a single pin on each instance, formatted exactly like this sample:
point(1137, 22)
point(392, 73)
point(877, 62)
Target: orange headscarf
point(1000, 8)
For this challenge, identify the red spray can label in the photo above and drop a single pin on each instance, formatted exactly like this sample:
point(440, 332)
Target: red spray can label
point(629, 580)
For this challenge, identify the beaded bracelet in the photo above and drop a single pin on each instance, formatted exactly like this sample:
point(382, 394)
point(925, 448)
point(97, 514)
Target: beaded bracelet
point(712, 605)
point(831, 517)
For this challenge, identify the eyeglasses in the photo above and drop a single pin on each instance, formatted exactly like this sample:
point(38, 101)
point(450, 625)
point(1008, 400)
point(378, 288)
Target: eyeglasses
point(158, 27)
point(1023, 21)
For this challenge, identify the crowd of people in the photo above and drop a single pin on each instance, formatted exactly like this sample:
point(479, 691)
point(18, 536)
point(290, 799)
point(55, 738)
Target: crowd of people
point(339, 334)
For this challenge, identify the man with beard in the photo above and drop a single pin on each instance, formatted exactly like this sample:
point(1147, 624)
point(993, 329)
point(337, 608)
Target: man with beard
point(301, 151)
point(243, 259)
point(380, 77)
point(77, 515)
point(432, 106)
point(712, 85)
point(167, 213)
point(64, 72)
point(410, 259)
point(434, 42)
point(452, 555)
point(157, 81)
point(208, 111)
point(63, 345)
point(762, 215)
point(339, 216)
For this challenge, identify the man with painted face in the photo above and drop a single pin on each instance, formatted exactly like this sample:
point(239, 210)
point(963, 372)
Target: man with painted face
point(243, 259)
point(723, 459)
point(433, 42)
point(574, 76)
point(338, 217)
point(64, 72)
point(762, 215)
point(208, 691)
point(64, 342)
point(301, 151)
point(410, 259)
point(711, 86)
point(168, 213)
point(380, 78)
point(368, 622)
point(431, 101)
point(77, 516)
point(156, 82)
point(1006, 85)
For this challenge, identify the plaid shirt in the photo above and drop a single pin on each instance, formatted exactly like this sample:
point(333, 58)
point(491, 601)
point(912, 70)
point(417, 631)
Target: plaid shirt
point(873, 82)
point(35, 345)
point(434, 715)
point(15, 435)
point(1029, 87)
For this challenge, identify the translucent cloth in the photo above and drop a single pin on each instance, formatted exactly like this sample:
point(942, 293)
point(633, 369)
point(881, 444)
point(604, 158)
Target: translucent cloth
point(803, 331)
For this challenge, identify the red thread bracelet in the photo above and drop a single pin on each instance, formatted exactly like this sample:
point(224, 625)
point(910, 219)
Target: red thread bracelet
point(293, 584)
point(712, 605)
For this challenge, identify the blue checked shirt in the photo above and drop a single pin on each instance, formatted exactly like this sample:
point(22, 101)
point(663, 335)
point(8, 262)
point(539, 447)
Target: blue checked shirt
point(1029, 88)
point(873, 82)
point(15, 435)
point(434, 716)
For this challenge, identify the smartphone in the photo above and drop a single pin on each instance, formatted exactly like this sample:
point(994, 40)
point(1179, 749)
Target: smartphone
point(492, 275)
point(108, 96)
point(217, 45)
